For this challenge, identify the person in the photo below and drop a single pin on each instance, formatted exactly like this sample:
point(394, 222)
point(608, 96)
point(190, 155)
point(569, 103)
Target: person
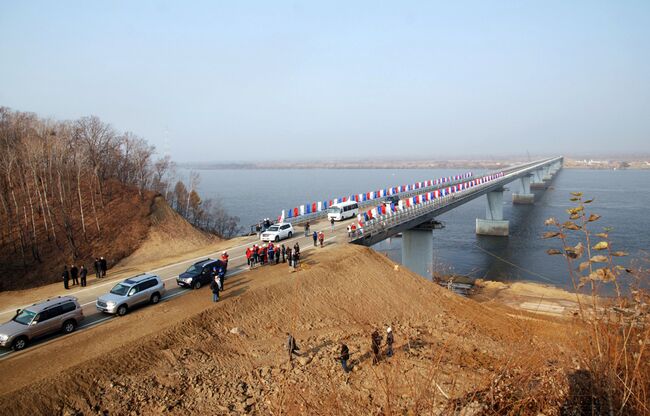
point(258, 229)
point(375, 343)
point(256, 256)
point(349, 230)
point(83, 272)
point(353, 230)
point(292, 347)
point(248, 256)
point(284, 253)
point(290, 257)
point(66, 277)
point(74, 274)
point(214, 286)
point(344, 357)
point(296, 248)
point(224, 259)
point(314, 236)
point(271, 252)
point(98, 268)
point(277, 255)
point(307, 229)
point(104, 266)
point(221, 274)
point(296, 258)
point(389, 342)
point(321, 238)
point(332, 223)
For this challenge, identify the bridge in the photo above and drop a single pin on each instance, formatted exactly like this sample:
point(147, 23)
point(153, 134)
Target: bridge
point(415, 221)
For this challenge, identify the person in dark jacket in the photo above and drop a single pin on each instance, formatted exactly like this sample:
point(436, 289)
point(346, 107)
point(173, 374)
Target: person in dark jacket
point(296, 248)
point(104, 266)
point(375, 343)
point(221, 274)
point(277, 255)
point(389, 342)
point(296, 258)
point(65, 276)
point(284, 254)
point(290, 257)
point(214, 286)
point(83, 272)
point(292, 347)
point(314, 236)
point(332, 223)
point(98, 268)
point(307, 229)
point(74, 274)
point(344, 357)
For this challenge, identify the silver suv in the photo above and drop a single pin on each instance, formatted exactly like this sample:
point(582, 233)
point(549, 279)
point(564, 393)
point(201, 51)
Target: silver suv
point(143, 288)
point(62, 313)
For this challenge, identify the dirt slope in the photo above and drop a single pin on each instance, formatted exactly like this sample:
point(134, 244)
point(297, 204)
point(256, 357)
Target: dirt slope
point(190, 356)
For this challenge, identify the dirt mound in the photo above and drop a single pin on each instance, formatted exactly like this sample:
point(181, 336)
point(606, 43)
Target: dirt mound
point(168, 235)
point(451, 353)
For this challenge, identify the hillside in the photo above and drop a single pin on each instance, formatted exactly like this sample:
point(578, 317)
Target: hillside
point(190, 356)
point(129, 223)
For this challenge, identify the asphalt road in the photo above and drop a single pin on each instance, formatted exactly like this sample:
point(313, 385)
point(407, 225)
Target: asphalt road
point(236, 264)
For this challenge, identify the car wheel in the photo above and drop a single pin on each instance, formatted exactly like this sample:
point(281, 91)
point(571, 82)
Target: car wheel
point(155, 298)
point(122, 310)
point(69, 326)
point(197, 285)
point(290, 234)
point(277, 238)
point(19, 343)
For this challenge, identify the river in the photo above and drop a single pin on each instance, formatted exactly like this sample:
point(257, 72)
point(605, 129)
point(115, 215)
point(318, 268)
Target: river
point(622, 198)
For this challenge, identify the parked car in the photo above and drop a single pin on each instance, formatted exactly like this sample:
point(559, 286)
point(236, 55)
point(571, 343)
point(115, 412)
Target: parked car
point(143, 288)
point(199, 274)
point(278, 232)
point(60, 314)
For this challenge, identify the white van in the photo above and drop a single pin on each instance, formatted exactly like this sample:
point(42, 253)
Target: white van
point(343, 210)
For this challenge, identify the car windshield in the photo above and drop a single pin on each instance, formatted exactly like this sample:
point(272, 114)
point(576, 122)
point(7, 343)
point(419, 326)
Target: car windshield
point(24, 317)
point(334, 210)
point(194, 269)
point(274, 228)
point(120, 289)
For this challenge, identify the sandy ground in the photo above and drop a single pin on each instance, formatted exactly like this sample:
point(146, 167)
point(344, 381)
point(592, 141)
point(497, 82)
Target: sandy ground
point(192, 356)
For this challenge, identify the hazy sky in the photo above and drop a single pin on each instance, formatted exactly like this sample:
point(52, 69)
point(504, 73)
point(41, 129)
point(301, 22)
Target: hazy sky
point(272, 80)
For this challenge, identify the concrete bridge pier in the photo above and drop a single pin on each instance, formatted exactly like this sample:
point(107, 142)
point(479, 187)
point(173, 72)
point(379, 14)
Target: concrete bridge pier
point(493, 224)
point(548, 176)
point(538, 182)
point(525, 196)
point(417, 250)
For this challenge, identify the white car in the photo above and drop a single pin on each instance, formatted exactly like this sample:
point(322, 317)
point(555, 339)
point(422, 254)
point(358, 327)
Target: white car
point(277, 232)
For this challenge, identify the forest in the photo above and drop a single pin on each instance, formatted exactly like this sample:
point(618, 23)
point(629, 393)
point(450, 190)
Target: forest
point(66, 187)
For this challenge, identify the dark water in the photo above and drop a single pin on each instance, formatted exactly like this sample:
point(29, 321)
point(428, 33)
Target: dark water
point(622, 199)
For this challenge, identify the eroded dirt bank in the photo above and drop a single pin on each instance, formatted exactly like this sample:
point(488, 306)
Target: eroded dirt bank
point(190, 356)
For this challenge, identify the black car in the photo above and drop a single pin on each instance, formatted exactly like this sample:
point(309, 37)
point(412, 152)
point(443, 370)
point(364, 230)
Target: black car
point(392, 198)
point(199, 274)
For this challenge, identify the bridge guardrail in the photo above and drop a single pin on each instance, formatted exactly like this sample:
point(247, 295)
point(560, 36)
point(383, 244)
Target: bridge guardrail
point(392, 219)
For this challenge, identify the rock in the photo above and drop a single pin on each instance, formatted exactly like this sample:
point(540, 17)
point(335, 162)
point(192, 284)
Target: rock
point(236, 331)
point(304, 360)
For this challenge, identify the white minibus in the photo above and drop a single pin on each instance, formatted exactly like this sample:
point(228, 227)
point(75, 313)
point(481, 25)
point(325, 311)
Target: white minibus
point(343, 210)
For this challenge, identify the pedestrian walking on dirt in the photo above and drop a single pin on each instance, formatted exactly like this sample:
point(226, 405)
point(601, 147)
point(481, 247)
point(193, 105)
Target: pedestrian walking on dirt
point(375, 344)
point(314, 236)
point(271, 252)
point(74, 274)
point(296, 258)
point(332, 223)
point(98, 268)
point(292, 347)
point(277, 255)
point(284, 254)
point(104, 266)
point(249, 253)
point(221, 275)
point(83, 272)
point(321, 238)
point(66, 277)
point(307, 229)
point(214, 286)
point(344, 357)
point(296, 248)
point(389, 342)
point(256, 256)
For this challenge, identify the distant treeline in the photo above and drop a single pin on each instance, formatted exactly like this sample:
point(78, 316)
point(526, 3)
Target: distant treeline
point(57, 178)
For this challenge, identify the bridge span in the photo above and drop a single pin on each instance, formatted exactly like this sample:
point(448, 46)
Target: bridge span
point(416, 221)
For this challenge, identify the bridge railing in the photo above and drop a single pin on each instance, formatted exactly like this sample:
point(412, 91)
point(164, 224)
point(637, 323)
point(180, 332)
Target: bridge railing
point(392, 219)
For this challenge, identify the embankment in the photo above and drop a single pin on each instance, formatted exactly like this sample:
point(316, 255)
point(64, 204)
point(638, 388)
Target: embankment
point(189, 355)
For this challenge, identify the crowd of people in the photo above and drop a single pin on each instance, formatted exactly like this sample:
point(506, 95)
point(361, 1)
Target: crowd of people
point(79, 275)
point(268, 254)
